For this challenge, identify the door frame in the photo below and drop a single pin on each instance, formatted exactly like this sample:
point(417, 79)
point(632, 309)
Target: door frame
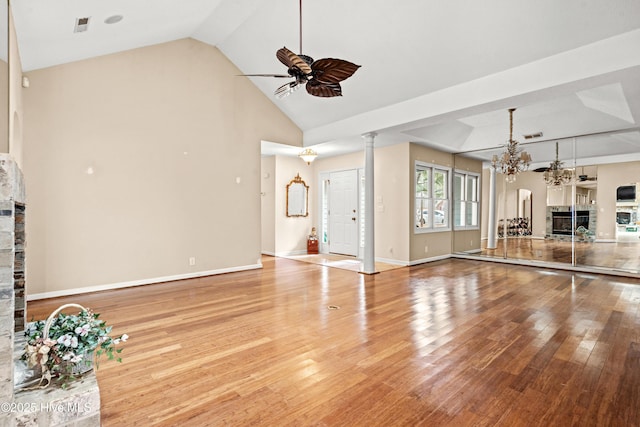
point(323, 223)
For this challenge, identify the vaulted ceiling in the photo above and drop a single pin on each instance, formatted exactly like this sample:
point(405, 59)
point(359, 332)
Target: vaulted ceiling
point(438, 73)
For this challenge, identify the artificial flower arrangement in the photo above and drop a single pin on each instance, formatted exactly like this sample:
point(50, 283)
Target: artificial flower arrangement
point(67, 345)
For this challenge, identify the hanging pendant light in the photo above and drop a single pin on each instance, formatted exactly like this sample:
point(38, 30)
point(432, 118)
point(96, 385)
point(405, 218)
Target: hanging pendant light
point(513, 160)
point(308, 155)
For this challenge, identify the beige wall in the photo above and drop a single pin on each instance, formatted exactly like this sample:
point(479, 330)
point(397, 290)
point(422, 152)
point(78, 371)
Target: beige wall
point(392, 200)
point(610, 177)
point(391, 196)
point(4, 107)
point(268, 205)
point(426, 245)
point(172, 138)
point(5, 26)
point(291, 232)
point(532, 181)
point(15, 108)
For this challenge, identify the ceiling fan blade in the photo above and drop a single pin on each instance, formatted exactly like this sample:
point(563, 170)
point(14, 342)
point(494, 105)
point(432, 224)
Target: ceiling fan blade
point(291, 60)
point(332, 70)
point(543, 169)
point(267, 75)
point(323, 90)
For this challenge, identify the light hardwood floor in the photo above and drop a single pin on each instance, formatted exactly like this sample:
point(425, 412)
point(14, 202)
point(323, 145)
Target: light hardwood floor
point(450, 343)
point(624, 255)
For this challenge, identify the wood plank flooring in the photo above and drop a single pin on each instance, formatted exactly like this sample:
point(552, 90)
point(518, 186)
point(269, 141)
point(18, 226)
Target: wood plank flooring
point(616, 255)
point(449, 343)
point(342, 261)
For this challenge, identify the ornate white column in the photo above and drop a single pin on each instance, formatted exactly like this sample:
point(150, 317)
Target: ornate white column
point(369, 264)
point(491, 243)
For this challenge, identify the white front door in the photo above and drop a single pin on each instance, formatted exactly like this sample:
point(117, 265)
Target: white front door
point(343, 213)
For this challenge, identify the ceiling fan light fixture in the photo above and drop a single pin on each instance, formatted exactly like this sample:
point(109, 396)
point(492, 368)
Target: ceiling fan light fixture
point(308, 155)
point(286, 90)
point(324, 74)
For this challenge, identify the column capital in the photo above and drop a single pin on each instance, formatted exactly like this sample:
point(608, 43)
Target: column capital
point(369, 136)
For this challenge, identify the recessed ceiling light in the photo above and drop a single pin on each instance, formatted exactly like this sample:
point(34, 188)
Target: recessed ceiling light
point(113, 19)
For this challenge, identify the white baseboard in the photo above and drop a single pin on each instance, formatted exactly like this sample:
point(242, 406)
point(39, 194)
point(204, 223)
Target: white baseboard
point(291, 253)
point(473, 251)
point(111, 286)
point(431, 259)
point(393, 261)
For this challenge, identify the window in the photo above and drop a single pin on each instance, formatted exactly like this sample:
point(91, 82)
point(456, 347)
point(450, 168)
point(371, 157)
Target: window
point(431, 198)
point(466, 196)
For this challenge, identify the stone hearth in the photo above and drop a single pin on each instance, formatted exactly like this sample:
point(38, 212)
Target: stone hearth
point(559, 225)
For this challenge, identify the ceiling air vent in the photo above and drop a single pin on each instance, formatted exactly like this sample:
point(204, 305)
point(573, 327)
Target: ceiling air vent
point(82, 24)
point(533, 135)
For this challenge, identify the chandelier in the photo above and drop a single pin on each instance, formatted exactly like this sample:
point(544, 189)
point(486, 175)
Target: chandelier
point(556, 175)
point(513, 160)
point(308, 155)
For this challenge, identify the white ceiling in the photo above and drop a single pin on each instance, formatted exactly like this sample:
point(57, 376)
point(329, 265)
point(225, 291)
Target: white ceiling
point(438, 73)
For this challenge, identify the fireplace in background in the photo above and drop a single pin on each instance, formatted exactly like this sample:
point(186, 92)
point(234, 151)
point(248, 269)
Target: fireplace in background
point(560, 225)
point(562, 222)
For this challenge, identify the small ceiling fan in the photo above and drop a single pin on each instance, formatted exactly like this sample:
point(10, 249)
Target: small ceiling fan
point(321, 78)
point(584, 177)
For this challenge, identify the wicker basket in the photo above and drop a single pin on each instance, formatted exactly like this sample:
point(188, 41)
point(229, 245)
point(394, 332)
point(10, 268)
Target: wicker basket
point(87, 361)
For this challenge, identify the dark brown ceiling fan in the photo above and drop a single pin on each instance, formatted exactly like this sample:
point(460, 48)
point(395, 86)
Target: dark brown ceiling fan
point(321, 78)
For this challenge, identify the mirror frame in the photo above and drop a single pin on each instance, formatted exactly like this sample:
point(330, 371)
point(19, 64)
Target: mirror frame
point(297, 198)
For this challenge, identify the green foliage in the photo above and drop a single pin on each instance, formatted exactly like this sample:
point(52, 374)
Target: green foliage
point(73, 344)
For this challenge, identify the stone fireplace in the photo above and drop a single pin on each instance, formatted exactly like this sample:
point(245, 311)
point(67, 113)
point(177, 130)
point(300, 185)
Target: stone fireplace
point(560, 221)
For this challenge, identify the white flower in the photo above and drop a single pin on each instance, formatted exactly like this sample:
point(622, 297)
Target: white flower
point(68, 356)
point(83, 330)
point(77, 359)
point(65, 340)
point(124, 337)
point(68, 340)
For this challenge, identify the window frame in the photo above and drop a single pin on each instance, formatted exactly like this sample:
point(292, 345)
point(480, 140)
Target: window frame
point(465, 175)
point(430, 199)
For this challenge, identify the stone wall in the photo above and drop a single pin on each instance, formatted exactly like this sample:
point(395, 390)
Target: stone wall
point(593, 220)
point(12, 305)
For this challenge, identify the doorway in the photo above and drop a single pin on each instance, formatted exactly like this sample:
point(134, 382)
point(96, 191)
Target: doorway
point(342, 212)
